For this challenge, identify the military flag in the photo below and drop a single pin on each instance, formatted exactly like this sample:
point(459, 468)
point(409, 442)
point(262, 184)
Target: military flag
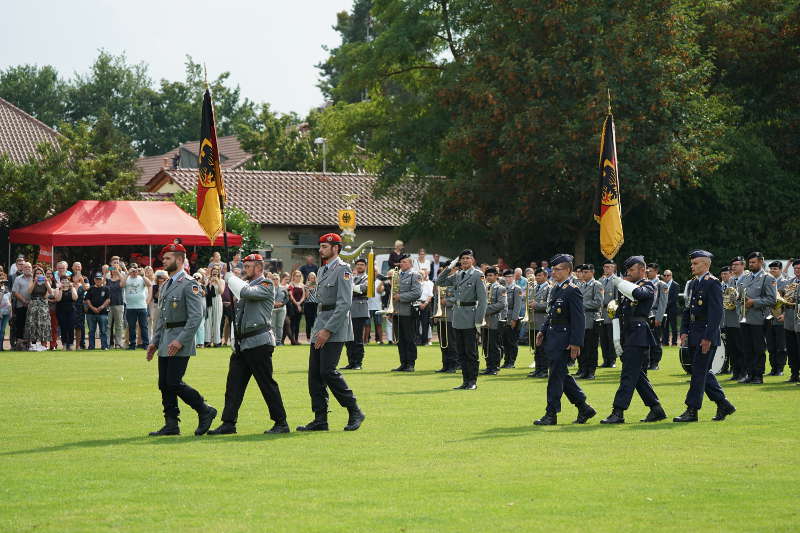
point(608, 210)
point(210, 187)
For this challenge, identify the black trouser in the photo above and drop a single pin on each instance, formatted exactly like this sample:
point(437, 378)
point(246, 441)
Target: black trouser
point(19, 322)
point(295, 316)
point(634, 377)
point(776, 344)
point(227, 313)
point(655, 351)
point(703, 380)
point(467, 347)
point(559, 382)
point(355, 347)
point(791, 351)
point(406, 335)
point(447, 344)
point(754, 347)
point(423, 324)
point(540, 360)
point(491, 346)
point(80, 328)
point(733, 351)
point(66, 324)
point(310, 310)
point(607, 344)
point(255, 362)
point(510, 342)
point(587, 360)
point(322, 375)
point(172, 387)
point(670, 324)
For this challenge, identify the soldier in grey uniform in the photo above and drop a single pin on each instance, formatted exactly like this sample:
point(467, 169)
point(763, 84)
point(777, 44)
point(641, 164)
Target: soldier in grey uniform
point(657, 313)
point(495, 317)
point(761, 291)
point(737, 356)
point(181, 311)
point(468, 312)
point(730, 322)
point(515, 308)
point(254, 343)
point(592, 291)
point(406, 324)
point(540, 296)
point(359, 314)
point(607, 333)
point(331, 330)
point(790, 324)
point(776, 338)
point(446, 334)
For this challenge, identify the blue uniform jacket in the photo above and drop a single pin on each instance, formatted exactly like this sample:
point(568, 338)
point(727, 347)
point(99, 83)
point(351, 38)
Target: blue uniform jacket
point(634, 314)
point(703, 316)
point(565, 320)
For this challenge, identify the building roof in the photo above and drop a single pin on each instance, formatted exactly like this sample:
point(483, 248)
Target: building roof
point(20, 133)
point(297, 198)
point(231, 156)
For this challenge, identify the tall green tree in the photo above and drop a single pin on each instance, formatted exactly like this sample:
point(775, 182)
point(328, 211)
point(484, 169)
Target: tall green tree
point(39, 91)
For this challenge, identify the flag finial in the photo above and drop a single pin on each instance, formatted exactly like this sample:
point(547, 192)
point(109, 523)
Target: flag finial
point(609, 101)
point(205, 74)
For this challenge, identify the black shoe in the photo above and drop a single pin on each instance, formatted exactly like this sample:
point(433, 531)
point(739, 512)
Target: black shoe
point(724, 408)
point(776, 373)
point(279, 427)
point(224, 429)
point(346, 367)
point(204, 420)
point(588, 376)
point(690, 415)
point(579, 374)
point(756, 380)
point(355, 419)
point(320, 423)
point(617, 416)
point(451, 370)
point(442, 370)
point(549, 419)
point(793, 379)
point(653, 367)
point(508, 365)
point(656, 413)
point(543, 375)
point(471, 386)
point(735, 377)
point(745, 379)
point(533, 375)
point(489, 372)
point(409, 368)
point(170, 428)
point(460, 387)
point(356, 367)
point(585, 412)
point(400, 368)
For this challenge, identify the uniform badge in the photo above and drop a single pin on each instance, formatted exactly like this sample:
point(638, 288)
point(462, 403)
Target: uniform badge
point(346, 276)
point(699, 302)
point(196, 289)
point(174, 304)
point(266, 284)
point(558, 310)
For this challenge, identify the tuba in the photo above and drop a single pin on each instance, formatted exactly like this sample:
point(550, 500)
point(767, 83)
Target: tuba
point(729, 297)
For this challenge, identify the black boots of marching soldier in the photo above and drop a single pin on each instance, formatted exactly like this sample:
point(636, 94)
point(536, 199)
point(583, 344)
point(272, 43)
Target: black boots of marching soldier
point(355, 418)
point(205, 418)
point(170, 428)
point(320, 423)
point(585, 412)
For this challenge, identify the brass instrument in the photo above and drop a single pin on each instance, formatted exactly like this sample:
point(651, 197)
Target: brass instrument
point(348, 255)
point(531, 283)
point(394, 277)
point(729, 297)
point(785, 298)
point(742, 301)
point(488, 302)
point(441, 318)
point(611, 308)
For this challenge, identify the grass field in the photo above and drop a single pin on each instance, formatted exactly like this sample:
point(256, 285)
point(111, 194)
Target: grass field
point(75, 455)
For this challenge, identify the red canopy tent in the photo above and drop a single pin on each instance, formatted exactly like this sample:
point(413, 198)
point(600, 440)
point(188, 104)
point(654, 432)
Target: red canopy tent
point(96, 223)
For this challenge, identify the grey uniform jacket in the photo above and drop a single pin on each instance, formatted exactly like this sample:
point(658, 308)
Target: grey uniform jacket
point(730, 317)
point(334, 298)
point(468, 287)
point(496, 310)
point(179, 301)
point(360, 305)
point(516, 305)
point(762, 288)
point(659, 308)
point(592, 301)
point(410, 291)
point(790, 312)
point(609, 293)
point(540, 299)
point(253, 311)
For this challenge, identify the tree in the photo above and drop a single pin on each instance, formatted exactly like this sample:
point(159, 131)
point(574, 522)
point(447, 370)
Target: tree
point(278, 142)
point(39, 91)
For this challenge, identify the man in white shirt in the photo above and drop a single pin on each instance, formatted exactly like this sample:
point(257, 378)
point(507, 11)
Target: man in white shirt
point(425, 307)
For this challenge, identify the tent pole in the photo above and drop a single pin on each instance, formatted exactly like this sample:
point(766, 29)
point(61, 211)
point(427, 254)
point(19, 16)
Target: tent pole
point(150, 255)
point(53, 257)
point(105, 253)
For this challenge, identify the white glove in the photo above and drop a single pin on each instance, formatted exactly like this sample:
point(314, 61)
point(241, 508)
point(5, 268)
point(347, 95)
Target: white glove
point(453, 263)
point(227, 276)
point(626, 288)
point(357, 289)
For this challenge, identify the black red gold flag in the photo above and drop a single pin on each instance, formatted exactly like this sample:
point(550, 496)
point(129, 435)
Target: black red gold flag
point(210, 187)
point(608, 210)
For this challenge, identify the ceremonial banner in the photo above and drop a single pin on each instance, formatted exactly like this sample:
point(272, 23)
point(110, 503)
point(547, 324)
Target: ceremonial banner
point(347, 219)
point(45, 255)
point(608, 210)
point(210, 188)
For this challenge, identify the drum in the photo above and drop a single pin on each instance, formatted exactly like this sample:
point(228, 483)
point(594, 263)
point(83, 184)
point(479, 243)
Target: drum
point(685, 358)
point(716, 365)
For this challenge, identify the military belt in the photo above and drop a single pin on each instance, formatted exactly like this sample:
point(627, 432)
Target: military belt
point(327, 307)
point(631, 321)
point(698, 318)
point(252, 333)
point(170, 325)
point(466, 304)
point(559, 321)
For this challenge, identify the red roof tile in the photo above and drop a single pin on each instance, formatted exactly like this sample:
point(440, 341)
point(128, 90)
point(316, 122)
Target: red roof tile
point(20, 133)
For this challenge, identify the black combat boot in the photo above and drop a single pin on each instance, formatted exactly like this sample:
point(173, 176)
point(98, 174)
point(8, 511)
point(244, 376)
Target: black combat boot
point(279, 427)
point(585, 412)
point(170, 428)
point(617, 416)
point(549, 419)
point(320, 423)
point(724, 408)
point(226, 428)
point(355, 419)
point(656, 413)
point(690, 415)
point(204, 420)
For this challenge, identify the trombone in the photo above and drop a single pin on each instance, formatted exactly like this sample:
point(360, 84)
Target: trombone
point(441, 318)
point(394, 278)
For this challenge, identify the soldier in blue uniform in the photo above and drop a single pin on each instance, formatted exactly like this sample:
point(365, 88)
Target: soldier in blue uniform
point(700, 331)
point(359, 314)
point(637, 338)
point(331, 330)
point(562, 337)
point(510, 329)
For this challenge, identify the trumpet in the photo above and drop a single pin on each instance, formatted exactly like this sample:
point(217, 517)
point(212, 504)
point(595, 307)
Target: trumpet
point(441, 318)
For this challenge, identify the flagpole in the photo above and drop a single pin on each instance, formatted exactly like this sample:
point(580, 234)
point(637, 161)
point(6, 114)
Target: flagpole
point(221, 201)
point(609, 100)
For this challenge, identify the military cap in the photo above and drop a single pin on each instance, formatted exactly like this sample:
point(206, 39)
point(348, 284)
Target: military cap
point(700, 253)
point(330, 238)
point(98, 275)
point(580, 267)
point(253, 257)
point(361, 260)
point(539, 270)
point(755, 255)
point(724, 269)
point(588, 266)
point(609, 262)
point(561, 258)
point(173, 248)
point(776, 264)
point(796, 262)
point(738, 258)
point(465, 252)
point(491, 270)
point(508, 272)
point(654, 266)
point(633, 260)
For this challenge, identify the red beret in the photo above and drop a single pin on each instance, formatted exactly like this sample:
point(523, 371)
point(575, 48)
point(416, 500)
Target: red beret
point(330, 238)
point(173, 248)
point(253, 257)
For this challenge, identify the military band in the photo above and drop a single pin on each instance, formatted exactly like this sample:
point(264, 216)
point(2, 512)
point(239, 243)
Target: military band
point(593, 295)
point(359, 315)
point(773, 325)
point(514, 310)
point(444, 326)
point(607, 333)
point(759, 294)
point(495, 318)
point(539, 299)
point(791, 291)
point(408, 292)
point(657, 313)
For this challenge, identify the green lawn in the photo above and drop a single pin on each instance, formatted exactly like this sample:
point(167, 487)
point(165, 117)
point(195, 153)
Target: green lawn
point(74, 454)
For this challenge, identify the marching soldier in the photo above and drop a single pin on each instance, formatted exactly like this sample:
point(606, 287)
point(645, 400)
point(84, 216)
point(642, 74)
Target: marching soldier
point(562, 336)
point(510, 331)
point(178, 320)
point(700, 332)
point(540, 297)
point(592, 302)
point(254, 343)
point(607, 335)
point(446, 334)
point(495, 316)
point(637, 338)
point(359, 315)
point(410, 291)
point(776, 338)
point(761, 292)
point(331, 330)
point(468, 312)
point(790, 322)
point(657, 312)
